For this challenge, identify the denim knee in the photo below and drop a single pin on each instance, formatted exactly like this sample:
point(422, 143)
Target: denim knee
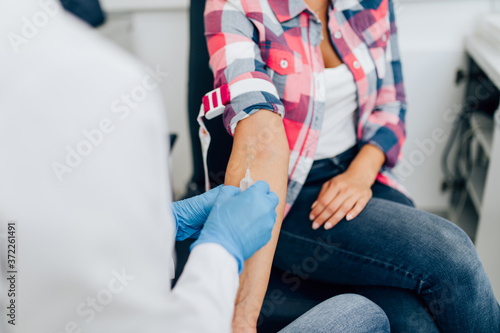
point(366, 313)
point(343, 313)
point(454, 265)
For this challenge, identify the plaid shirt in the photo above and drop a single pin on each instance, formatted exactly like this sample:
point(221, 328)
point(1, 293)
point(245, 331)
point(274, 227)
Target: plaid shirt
point(268, 54)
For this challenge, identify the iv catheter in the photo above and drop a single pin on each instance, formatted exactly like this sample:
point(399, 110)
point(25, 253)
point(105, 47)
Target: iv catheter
point(247, 181)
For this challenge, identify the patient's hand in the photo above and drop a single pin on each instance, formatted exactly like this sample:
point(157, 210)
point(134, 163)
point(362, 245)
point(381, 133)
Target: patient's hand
point(191, 214)
point(347, 194)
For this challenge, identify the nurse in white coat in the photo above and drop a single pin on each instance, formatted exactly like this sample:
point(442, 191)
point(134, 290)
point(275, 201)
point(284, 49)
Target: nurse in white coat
point(84, 183)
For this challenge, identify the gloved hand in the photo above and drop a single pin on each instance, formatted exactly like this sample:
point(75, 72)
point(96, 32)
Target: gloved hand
point(190, 214)
point(241, 222)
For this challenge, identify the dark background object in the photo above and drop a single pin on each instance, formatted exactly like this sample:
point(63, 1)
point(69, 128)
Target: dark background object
point(173, 139)
point(201, 81)
point(88, 10)
point(481, 95)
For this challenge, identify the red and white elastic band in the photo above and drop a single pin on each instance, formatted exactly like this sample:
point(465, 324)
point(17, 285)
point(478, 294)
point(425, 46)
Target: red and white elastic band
point(212, 105)
point(215, 101)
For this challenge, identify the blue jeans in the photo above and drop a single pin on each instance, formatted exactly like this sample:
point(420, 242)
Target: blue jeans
point(344, 313)
point(390, 243)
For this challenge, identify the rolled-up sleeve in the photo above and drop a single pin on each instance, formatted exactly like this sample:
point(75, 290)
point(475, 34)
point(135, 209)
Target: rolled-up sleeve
point(385, 127)
point(235, 60)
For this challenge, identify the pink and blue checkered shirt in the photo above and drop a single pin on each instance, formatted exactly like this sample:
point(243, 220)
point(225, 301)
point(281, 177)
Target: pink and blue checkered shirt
point(268, 54)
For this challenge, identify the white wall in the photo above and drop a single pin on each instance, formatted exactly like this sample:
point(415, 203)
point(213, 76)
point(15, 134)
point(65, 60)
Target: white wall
point(431, 40)
point(159, 37)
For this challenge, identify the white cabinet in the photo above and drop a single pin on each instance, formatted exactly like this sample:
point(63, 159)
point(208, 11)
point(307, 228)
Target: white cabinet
point(478, 209)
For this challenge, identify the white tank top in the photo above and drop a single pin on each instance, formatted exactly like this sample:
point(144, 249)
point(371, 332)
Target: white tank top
point(338, 132)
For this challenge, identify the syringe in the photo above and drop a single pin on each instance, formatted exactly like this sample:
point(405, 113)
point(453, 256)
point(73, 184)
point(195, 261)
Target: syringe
point(247, 181)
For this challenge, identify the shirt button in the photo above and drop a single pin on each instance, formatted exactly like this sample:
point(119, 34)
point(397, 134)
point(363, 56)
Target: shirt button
point(284, 63)
point(384, 37)
point(337, 35)
point(356, 65)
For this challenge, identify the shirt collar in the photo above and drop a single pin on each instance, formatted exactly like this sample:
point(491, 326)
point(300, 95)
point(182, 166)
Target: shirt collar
point(287, 9)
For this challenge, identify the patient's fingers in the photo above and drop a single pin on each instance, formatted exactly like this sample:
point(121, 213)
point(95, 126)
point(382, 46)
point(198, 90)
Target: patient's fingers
point(331, 208)
point(346, 206)
point(358, 208)
point(327, 194)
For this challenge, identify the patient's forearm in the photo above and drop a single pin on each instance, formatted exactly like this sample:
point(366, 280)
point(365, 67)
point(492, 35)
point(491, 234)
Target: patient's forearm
point(260, 143)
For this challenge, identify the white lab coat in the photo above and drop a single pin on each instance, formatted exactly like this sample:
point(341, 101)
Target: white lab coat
point(94, 235)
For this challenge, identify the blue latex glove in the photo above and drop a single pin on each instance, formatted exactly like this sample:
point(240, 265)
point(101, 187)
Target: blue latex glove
point(241, 222)
point(190, 214)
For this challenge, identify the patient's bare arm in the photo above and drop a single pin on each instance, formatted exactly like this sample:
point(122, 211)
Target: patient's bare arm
point(260, 143)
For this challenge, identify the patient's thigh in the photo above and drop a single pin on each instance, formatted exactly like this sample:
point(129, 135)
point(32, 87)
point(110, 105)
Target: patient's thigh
point(379, 233)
